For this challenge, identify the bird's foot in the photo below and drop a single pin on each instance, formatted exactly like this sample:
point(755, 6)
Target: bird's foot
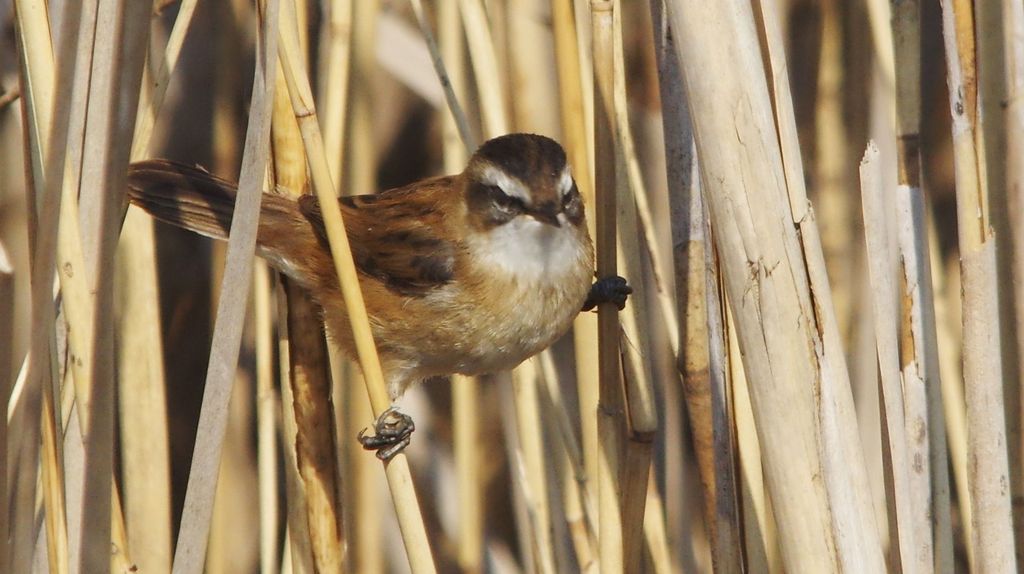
point(612, 289)
point(392, 433)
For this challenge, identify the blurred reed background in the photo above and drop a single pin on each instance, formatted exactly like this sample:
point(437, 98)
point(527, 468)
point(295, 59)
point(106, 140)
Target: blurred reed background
point(819, 370)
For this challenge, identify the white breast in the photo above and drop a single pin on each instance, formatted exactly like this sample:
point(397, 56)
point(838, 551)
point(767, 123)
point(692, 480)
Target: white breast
point(531, 251)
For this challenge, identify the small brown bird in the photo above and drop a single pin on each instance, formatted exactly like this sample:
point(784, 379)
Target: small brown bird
point(470, 273)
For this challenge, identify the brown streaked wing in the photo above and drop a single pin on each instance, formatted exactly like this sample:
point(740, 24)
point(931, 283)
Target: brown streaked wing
point(392, 239)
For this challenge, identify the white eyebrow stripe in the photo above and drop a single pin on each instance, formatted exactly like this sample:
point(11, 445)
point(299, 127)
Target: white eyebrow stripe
point(565, 181)
point(510, 185)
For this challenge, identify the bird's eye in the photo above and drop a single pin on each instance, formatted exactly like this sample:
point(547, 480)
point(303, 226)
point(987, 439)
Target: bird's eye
point(503, 200)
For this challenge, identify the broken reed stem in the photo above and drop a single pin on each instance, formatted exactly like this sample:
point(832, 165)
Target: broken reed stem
point(190, 551)
point(884, 305)
point(772, 279)
point(987, 441)
point(929, 491)
point(399, 478)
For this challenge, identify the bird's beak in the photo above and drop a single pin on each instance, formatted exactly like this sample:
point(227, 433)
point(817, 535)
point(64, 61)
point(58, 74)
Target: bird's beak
point(547, 214)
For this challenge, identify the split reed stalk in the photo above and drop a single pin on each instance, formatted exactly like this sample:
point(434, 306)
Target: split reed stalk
point(896, 460)
point(397, 470)
point(706, 399)
point(845, 476)
point(922, 386)
point(771, 280)
point(987, 441)
point(190, 551)
point(757, 540)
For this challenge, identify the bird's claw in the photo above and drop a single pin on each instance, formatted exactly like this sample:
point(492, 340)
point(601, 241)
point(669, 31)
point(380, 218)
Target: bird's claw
point(392, 433)
point(613, 289)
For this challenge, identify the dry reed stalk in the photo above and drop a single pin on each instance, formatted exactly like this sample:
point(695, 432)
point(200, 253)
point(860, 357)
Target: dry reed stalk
point(397, 470)
point(772, 280)
point(6, 382)
point(485, 67)
point(757, 542)
point(919, 352)
point(142, 400)
point(655, 533)
point(947, 315)
point(574, 137)
point(156, 87)
point(641, 412)
point(832, 173)
point(1013, 31)
point(51, 478)
point(610, 410)
point(991, 137)
point(531, 455)
point(114, 94)
point(987, 441)
point(335, 35)
point(298, 554)
point(896, 459)
point(531, 71)
point(37, 75)
point(846, 479)
point(311, 387)
point(578, 504)
point(195, 522)
point(438, 55)
point(704, 389)
point(266, 420)
point(465, 390)
point(359, 173)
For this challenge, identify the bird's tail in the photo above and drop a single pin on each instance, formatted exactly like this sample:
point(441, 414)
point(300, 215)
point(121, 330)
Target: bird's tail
point(194, 199)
